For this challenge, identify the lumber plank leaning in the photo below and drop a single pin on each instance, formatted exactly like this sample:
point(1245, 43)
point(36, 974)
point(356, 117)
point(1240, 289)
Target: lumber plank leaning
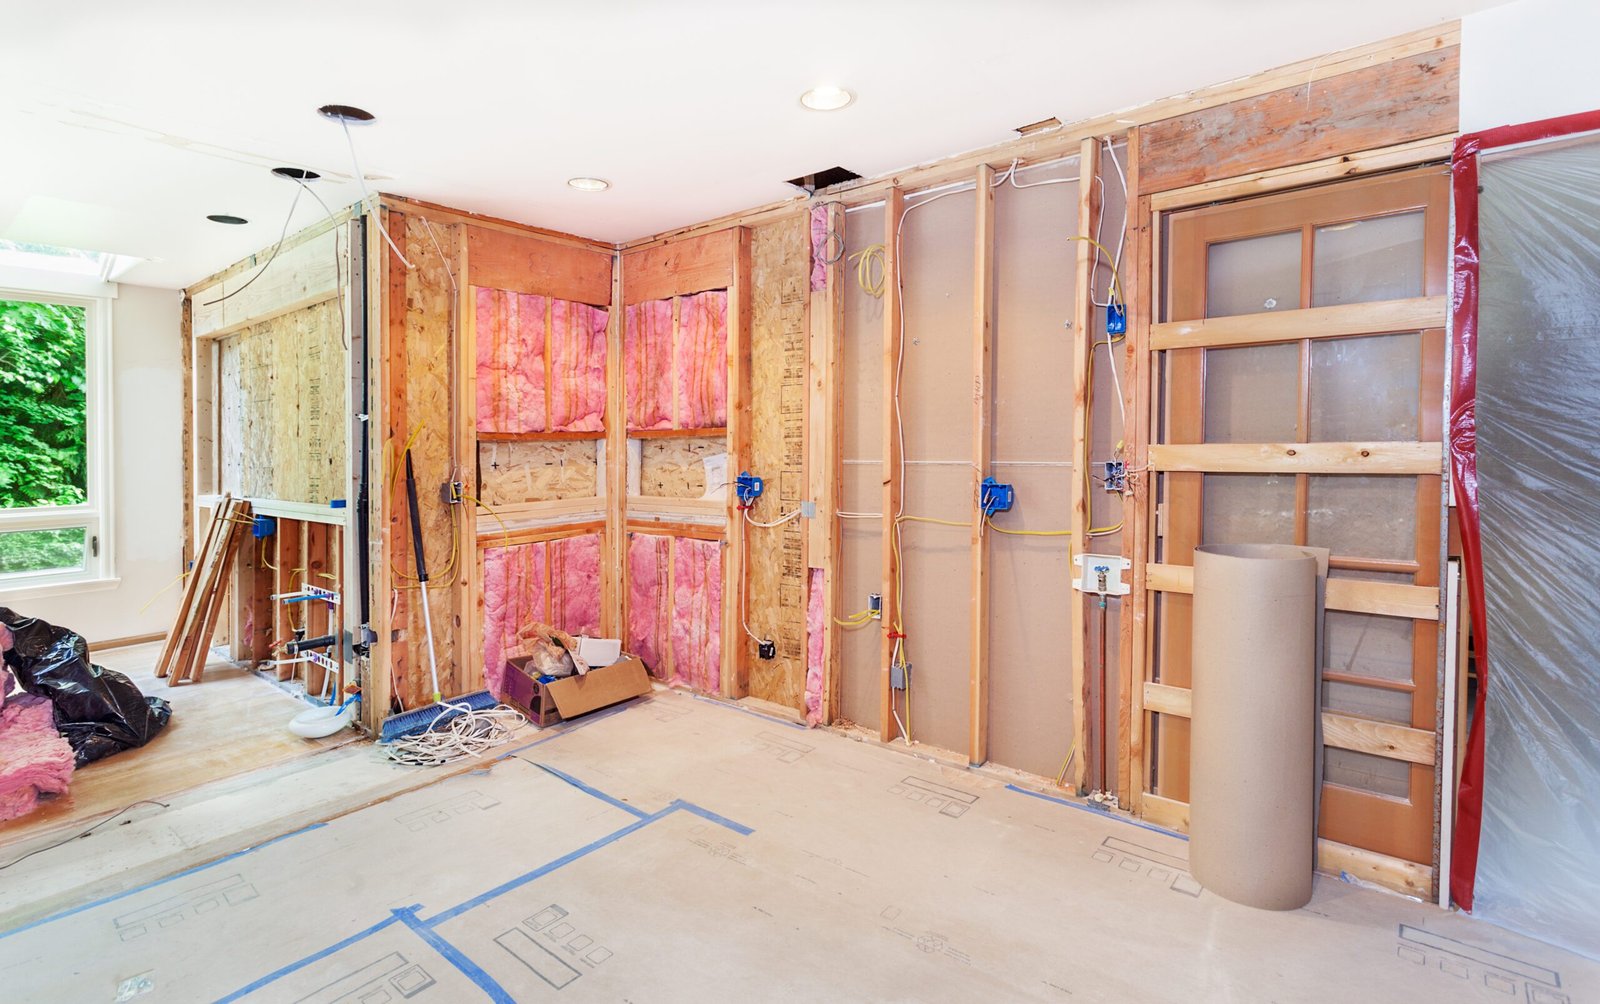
point(175, 637)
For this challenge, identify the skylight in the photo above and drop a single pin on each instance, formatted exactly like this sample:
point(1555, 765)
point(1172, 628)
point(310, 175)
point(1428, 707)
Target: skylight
point(46, 258)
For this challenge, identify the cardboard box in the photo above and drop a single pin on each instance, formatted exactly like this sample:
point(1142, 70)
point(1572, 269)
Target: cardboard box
point(577, 695)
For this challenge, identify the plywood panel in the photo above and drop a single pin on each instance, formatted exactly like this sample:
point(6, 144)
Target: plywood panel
point(1380, 105)
point(515, 472)
point(281, 429)
point(528, 264)
point(303, 274)
point(775, 562)
point(677, 468)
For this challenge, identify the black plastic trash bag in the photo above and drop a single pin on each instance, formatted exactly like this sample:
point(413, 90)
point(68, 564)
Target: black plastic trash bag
point(97, 710)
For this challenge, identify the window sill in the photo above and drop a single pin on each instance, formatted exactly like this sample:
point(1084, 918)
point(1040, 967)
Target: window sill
point(23, 591)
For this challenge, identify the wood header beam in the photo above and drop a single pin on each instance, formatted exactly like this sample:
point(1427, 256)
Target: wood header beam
point(681, 267)
point(1361, 596)
point(498, 259)
point(1380, 317)
point(1299, 458)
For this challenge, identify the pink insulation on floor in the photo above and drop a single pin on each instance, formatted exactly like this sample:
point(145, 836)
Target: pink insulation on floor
point(702, 360)
point(510, 378)
point(513, 596)
point(696, 627)
point(577, 367)
point(816, 623)
point(574, 564)
point(649, 606)
point(34, 759)
point(820, 247)
point(647, 362)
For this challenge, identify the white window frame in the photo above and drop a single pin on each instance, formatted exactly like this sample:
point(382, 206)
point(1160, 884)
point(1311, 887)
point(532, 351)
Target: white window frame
point(94, 515)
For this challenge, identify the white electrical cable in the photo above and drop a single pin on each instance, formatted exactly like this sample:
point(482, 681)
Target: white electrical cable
point(366, 196)
point(469, 734)
point(270, 258)
point(777, 522)
point(744, 592)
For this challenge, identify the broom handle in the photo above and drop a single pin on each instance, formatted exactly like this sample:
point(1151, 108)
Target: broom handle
point(422, 573)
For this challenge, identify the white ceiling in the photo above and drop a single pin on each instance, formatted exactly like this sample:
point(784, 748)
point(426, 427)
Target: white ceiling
point(122, 125)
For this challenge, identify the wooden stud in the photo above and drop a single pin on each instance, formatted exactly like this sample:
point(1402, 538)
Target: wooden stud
point(894, 211)
point(1082, 337)
point(377, 686)
point(615, 587)
point(825, 437)
point(466, 592)
point(735, 654)
point(983, 272)
point(1134, 620)
point(1372, 318)
point(1299, 458)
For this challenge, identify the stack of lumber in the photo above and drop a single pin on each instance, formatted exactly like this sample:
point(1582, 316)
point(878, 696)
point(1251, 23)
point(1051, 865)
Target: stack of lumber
point(183, 657)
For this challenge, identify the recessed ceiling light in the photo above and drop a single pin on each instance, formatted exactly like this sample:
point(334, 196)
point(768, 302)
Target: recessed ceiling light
point(346, 113)
point(225, 218)
point(826, 98)
point(589, 184)
point(296, 173)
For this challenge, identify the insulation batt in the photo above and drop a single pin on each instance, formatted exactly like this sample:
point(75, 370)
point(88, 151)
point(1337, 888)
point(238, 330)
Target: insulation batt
point(820, 249)
point(816, 622)
point(574, 565)
point(697, 614)
point(649, 557)
point(577, 367)
point(513, 595)
point(510, 334)
point(647, 359)
point(34, 759)
point(702, 360)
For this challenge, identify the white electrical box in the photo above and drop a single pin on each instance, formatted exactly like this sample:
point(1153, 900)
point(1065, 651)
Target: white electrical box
point(1101, 574)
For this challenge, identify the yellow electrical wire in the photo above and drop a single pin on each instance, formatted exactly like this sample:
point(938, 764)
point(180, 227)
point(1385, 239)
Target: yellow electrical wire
point(505, 532)
point(1026, 533)
point(865, 259)
point(1116, 283)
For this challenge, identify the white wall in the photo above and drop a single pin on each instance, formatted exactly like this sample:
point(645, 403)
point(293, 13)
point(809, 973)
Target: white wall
point(147, 465)
point(1534, 59)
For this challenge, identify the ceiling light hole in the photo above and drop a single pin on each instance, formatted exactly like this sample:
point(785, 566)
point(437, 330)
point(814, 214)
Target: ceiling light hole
point(232, 221)
point(826, 98)
point(346, 113)
point(589, 184)
point(296, 173)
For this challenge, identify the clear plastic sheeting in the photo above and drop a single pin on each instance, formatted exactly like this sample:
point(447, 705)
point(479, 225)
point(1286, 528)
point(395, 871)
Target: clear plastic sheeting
point(1538, 456)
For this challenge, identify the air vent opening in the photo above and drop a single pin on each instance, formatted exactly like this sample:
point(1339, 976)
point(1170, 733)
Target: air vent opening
point(813, 183)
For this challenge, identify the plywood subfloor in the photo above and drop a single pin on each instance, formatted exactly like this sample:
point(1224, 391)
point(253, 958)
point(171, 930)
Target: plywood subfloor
point(684, 850)
point(229, 723)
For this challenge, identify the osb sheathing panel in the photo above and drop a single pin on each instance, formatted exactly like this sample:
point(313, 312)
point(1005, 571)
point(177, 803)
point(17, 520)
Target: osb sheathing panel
point(527, 264)
point(515, 472)
point(775, 565)
point(1030, 636)
point(281, 426)
point(423, 365)
point(861, 540)
point(676, 468)
point(935, 404)
point(1385, 104)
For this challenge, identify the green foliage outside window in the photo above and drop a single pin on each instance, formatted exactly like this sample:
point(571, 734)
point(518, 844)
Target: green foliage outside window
point(43, 428)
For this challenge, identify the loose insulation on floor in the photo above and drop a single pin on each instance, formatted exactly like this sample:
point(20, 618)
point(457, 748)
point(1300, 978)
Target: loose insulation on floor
point(679, 849)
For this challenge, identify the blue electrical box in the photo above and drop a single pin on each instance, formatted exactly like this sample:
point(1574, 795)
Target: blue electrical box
point(748, 487)
point(264, 526)
point(1116, 319)
point(995, 497)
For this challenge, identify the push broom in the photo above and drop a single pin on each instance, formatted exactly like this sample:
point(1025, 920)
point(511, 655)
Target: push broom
point(423, 719)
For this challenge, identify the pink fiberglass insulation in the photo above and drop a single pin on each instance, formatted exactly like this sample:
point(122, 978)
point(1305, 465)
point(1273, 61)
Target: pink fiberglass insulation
point(577, 367)
point(647, 360)
point(510, 379)
point(34, 759)
point(649, 609)
point(703, 360)
point(513, 597)
point(697, 614)
point(575, 584)
point(820, 247)
point(815, 625)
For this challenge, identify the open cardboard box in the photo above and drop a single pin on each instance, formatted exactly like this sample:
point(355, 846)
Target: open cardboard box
point(578, 695)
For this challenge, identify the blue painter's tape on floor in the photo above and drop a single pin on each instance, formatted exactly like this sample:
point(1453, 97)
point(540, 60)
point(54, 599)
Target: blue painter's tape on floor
point(690, 807)
point(1102, 813)
point(161, 881)
point(455, 956)
point(596, 792)
point(293, 967)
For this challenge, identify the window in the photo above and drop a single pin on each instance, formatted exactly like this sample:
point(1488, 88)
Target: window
point(54, 475)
